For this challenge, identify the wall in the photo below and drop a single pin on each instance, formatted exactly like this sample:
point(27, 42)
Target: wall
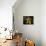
point(43, 22)
point(6, 13)
point(28, 8)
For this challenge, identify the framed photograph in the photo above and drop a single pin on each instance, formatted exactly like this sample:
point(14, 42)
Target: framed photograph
point(28, 20)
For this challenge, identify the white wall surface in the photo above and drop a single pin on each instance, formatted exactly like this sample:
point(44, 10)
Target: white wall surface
point(29, 8)
point(43, 22)
point(34, 8)
point(6, 13)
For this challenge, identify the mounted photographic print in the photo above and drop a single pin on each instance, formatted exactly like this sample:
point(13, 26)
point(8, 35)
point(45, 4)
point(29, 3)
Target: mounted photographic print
point(28, 19)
